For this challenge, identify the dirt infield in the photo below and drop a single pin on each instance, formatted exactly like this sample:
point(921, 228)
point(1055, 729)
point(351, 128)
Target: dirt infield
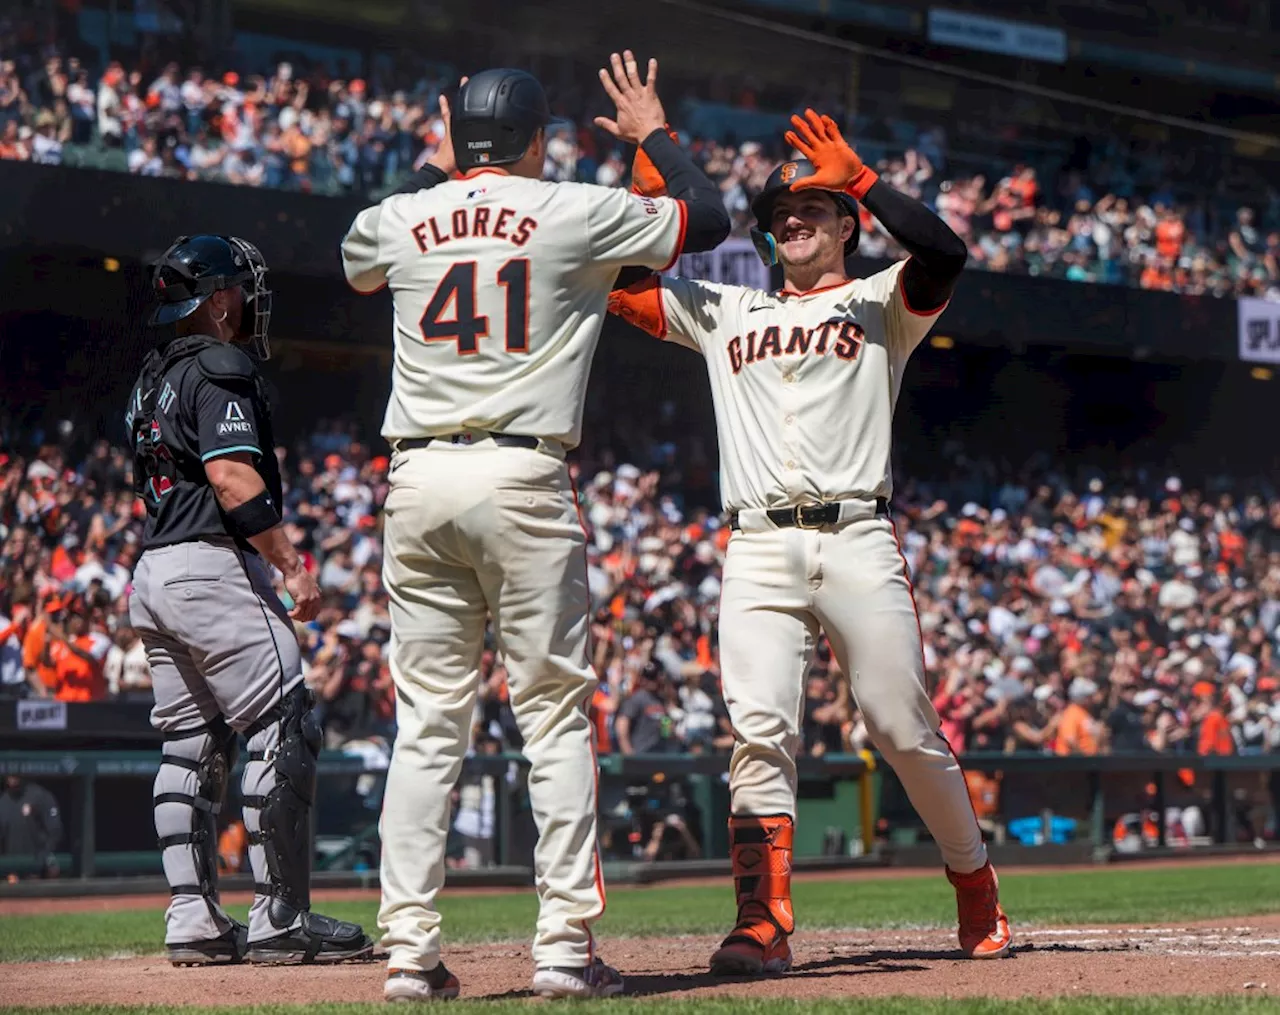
point(1234, 956)
point(1214, 957)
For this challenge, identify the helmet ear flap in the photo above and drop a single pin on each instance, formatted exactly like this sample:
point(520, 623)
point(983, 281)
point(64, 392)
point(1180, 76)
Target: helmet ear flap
point(766, 246)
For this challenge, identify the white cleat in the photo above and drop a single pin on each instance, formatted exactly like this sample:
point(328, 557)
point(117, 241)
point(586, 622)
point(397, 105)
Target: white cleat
point(411, 986)
point(595, 980)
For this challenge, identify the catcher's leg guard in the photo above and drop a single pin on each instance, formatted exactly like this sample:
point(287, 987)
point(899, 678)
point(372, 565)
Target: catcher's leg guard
point(761, 850)
point(188, 794)
point(279, 789)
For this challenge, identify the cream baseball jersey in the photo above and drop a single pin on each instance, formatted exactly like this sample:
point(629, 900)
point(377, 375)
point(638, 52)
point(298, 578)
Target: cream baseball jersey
point(499, 286)
point(804, 385)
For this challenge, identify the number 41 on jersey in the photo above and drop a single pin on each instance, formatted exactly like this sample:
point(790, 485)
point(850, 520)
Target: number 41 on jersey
point(456, 295)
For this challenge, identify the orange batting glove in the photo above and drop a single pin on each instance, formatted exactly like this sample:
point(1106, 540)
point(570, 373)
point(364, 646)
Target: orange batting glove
point(645, 178)
point(836, 165)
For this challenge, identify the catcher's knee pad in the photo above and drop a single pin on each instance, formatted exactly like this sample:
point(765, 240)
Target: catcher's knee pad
point(279, 789)
point(760, 848)
point(188, 794)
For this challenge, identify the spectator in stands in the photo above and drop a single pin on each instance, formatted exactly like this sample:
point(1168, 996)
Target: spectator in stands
point(16, 681)
point(127, 674)
point(642, 724)
point(1055, 617)
point(295, 127)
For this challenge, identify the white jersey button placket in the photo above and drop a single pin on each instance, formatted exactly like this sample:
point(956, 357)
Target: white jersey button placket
point(793, 481)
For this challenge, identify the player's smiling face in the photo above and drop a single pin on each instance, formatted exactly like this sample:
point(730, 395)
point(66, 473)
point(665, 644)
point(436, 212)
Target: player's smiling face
point(810, 230)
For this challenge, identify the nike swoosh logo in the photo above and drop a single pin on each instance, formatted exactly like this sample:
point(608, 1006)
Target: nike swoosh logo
point(752, 310)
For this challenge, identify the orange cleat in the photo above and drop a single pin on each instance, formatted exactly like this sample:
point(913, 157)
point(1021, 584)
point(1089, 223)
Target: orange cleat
point(984, 929)
point(756, 949)
point(761, 851)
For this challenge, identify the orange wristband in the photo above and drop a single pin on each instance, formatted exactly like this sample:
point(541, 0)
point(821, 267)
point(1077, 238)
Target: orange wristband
point(857, 187)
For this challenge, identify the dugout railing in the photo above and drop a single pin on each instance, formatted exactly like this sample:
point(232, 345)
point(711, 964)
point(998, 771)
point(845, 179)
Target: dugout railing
point(851, 809)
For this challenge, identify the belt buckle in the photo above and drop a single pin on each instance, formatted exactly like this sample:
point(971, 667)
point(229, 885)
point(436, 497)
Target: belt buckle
point(799, 516)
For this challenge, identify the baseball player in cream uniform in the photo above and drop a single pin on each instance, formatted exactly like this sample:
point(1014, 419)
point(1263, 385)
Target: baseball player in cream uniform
point(804, 382)
point(499, 282)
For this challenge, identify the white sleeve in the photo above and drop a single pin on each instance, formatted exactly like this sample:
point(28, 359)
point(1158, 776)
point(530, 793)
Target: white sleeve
point(905, 327)
point(626, 229)
point(689, 310)
point(361, 252)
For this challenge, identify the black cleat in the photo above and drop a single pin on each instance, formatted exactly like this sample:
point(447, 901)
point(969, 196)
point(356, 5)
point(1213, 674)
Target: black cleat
point(226, 949)
point(319, 939)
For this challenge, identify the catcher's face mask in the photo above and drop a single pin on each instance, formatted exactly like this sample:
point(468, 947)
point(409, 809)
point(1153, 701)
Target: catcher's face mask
point(255, 318)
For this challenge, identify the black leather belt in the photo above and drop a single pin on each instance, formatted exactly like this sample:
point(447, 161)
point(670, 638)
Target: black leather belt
point(809, 516)
point(505, 440)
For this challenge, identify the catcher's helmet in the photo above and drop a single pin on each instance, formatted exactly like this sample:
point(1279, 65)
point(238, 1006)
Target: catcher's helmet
point(495, 116)
point(780, 181)
point(196, 267)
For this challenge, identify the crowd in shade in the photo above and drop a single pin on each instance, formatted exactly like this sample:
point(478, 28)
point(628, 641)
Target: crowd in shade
point(1113, 218)
point(1124, 614)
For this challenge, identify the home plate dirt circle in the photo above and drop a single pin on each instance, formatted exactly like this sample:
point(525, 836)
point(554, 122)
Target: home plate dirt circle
point(1213, 957)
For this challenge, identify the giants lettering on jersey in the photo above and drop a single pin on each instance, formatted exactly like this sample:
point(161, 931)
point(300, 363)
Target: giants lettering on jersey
point(486, 223)
point(842, 336)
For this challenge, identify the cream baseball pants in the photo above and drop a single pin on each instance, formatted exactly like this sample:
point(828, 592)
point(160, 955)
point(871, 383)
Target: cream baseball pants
point(475, 531)
point(779, 586)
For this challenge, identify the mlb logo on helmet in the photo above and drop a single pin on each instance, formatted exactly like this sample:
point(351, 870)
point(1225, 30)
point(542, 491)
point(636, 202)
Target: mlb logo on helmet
point(788, 172)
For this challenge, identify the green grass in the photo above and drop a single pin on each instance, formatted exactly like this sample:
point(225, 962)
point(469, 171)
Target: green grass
point(1107, 895)
point(765, 1006)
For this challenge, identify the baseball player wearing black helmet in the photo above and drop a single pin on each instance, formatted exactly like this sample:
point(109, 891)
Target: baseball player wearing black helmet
point(496, 116)
point(500, 281)
point(804, 382)
point(223, 656)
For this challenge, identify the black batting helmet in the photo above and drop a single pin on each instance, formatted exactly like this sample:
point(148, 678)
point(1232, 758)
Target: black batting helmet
point(495, 116)
point(195, 267)
point(780, 181)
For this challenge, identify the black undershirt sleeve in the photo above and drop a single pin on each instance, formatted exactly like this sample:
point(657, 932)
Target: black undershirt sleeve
point(937, 254)
point(423, 179)
point(707, 223)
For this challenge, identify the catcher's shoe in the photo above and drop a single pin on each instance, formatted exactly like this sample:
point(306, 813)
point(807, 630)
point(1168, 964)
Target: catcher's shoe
point(317, 939)
point(225, 949)
point(761, 850)
point(411, 985)
point(984, 929)
point(595, 980)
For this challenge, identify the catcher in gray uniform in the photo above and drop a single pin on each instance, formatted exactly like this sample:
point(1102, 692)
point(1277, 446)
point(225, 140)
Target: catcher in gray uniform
point(224, 659)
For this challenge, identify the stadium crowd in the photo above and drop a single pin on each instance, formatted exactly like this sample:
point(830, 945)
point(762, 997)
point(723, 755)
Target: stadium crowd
point(1055, 617)
point(1113, 217)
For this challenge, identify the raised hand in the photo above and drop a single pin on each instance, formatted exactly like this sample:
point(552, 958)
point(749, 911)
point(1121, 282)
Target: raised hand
point(444, 158)
point(836, 165)
point(640, 110)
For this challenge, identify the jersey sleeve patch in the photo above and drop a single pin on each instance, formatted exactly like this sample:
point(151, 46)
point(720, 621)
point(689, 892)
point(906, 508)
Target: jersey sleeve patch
point(226, 419)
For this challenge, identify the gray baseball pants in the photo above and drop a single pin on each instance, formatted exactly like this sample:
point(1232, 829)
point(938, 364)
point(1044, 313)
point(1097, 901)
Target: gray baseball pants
point(222, 653)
